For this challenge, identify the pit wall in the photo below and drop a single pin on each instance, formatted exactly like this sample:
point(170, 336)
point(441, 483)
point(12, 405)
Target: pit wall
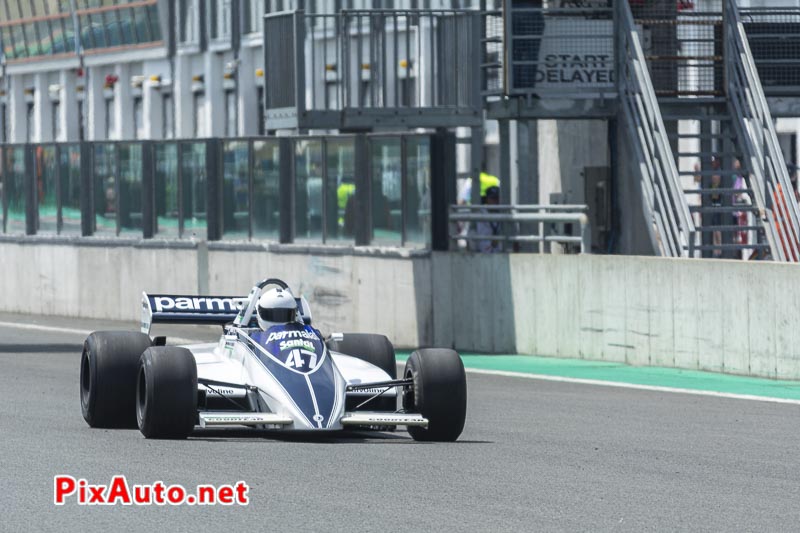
point(363, 290)
point(723, 316)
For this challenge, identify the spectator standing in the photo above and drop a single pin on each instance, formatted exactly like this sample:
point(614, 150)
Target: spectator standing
point(488, 229)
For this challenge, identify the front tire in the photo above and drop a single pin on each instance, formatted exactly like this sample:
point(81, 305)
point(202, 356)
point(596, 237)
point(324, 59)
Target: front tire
point(376, 350)
point(109, 363)
point(439, 393)
point(166, 393)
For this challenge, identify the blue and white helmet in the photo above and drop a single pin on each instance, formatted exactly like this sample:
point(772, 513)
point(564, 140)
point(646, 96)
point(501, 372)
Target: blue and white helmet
point(276, 306)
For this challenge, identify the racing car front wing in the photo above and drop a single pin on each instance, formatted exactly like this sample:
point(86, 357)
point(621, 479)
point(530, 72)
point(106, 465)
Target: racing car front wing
point(358, 418)
point(367, 418)
point(233, 418)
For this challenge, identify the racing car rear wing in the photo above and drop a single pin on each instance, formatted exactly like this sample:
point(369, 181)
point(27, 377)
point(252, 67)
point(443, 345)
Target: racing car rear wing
point(201, 310)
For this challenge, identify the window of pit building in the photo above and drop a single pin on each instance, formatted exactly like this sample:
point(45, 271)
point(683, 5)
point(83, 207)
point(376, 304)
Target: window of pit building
point(253, 16)
point(188, 21)
point(138, 120)
point(9, 46)
point(199, 99)
point(34, 28)
point(218, 14)
point(81, 116)
point(56, 109)
point(111, 123)
point(168, 112)
point(231, 115)
point(29, 121)
point(261, 117)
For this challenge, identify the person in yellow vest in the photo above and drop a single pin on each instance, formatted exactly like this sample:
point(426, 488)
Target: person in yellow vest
point(488, 229)
point(344, 191)
point(486, 180)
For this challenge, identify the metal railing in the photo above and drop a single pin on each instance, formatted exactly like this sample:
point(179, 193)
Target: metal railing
point(523, 224)
point(773, 34)
point(375, 61)
point(753, 123)
point(672, 224)
point(492, 53)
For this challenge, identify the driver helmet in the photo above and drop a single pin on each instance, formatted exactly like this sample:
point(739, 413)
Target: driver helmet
point(276, 306)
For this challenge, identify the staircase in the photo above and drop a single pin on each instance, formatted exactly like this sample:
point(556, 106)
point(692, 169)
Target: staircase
point(698, 113)
point(713, 179)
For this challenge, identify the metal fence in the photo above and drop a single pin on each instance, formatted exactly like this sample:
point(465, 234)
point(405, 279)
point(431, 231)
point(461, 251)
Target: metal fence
point(343, 189)
point(492, 53)
point(361, 68)
point(509, 226)
point(682, 41)
point(774, 36)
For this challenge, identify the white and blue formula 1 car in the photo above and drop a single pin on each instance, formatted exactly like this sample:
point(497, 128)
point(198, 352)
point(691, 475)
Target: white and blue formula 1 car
point(287, 378)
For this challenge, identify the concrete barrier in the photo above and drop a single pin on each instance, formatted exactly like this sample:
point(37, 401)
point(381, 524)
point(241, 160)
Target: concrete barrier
point(723, 316)
point(363, 290)
point(93, 278)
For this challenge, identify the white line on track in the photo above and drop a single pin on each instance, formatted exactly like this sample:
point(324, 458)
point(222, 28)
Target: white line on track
point(504, 373)
point(38, 327)
point(81, 332)
point(622, 385)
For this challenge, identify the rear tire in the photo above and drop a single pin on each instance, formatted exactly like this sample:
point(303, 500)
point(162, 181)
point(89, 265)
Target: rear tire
point(109, 363)
point(374, 349)
point(439, 393)
point(166, 393)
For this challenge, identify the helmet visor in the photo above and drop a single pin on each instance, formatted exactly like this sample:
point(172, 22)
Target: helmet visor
point(277, 315)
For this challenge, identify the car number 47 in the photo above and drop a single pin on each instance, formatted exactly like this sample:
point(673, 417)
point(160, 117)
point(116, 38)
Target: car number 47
point(295, 359)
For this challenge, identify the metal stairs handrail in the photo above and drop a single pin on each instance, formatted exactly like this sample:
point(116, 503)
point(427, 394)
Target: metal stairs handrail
point(771, 186)
point(662, 191)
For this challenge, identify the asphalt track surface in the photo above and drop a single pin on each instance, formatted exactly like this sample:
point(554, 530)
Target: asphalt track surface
point(535, 455)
